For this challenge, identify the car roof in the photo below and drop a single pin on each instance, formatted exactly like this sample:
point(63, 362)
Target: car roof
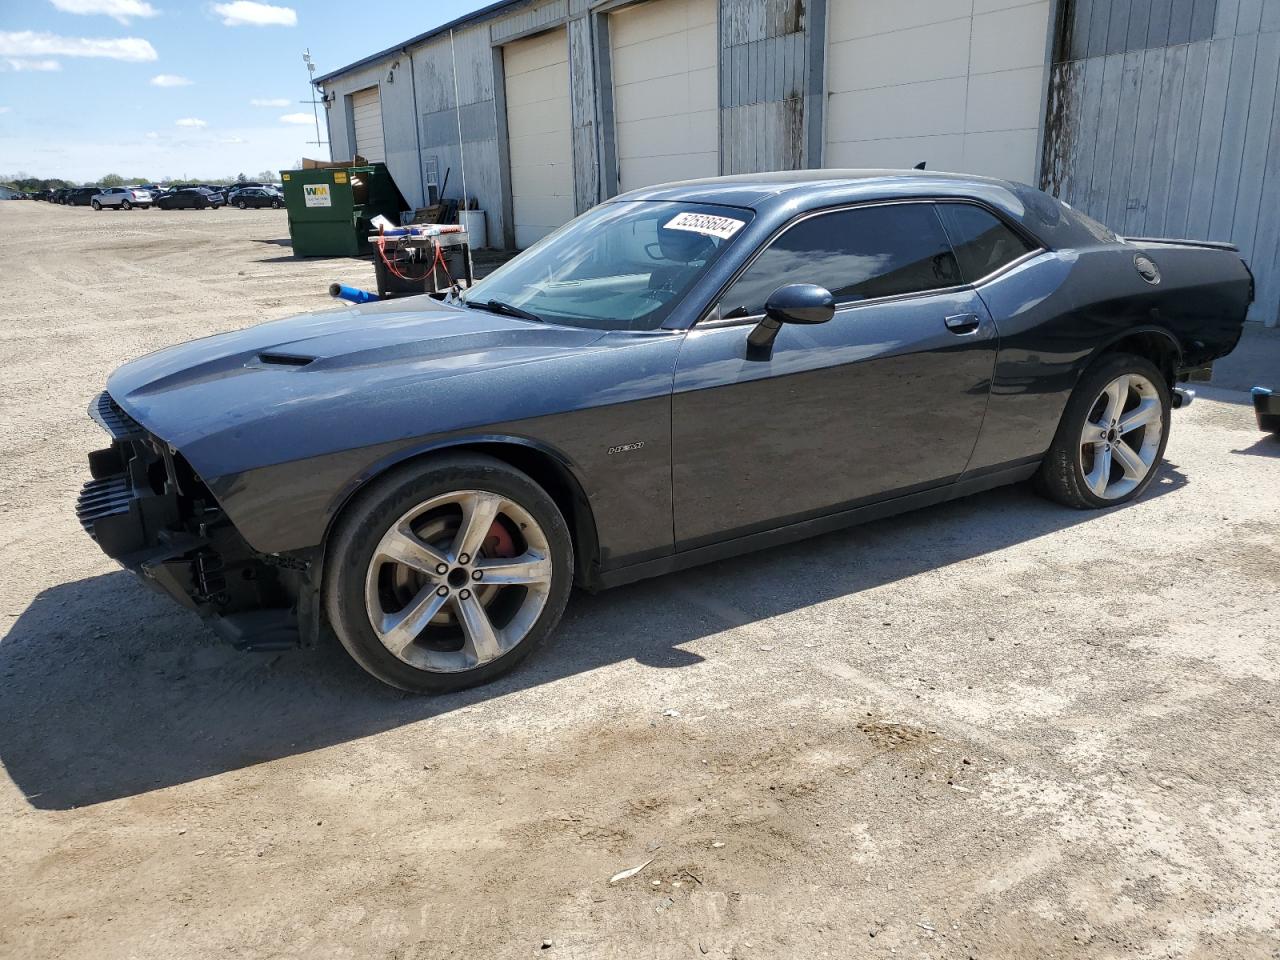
point(801, 189)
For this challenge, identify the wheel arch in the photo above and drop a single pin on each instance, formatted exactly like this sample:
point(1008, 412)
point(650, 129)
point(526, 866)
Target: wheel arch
point(1151, 342)
point(546, 466)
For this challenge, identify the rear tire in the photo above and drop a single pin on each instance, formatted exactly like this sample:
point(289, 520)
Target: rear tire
point(1112, 436)
point(439, 632)
point(126, 205)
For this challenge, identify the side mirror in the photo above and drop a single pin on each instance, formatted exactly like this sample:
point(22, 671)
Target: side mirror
point(791, 303)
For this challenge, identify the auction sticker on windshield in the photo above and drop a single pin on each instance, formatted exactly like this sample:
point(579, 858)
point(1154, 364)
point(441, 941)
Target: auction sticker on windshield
point(706, 224)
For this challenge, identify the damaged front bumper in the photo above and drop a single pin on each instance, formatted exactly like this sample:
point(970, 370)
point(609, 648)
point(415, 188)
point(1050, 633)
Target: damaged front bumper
point(148, 510)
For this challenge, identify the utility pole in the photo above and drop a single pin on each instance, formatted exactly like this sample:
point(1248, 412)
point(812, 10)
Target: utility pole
point(315, 104)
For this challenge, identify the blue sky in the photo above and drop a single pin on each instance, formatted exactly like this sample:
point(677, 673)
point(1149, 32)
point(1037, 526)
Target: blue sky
point(178, 88)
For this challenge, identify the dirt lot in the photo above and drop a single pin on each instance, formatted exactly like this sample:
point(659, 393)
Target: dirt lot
point(996, 728)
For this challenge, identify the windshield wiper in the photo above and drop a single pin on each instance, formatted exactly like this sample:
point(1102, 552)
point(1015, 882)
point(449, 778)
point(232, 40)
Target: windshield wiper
point(504, 308)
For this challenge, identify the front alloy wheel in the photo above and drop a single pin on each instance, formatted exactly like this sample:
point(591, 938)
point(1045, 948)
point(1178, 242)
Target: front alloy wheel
point(447, 573)
point(458, 581)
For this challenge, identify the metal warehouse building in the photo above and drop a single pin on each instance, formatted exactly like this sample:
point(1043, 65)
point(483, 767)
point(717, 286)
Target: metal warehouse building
point(1159, 117)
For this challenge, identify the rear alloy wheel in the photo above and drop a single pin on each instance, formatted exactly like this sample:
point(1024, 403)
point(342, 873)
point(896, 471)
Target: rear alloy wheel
point(448, 574)
point(1112, 436)
point(126, 205)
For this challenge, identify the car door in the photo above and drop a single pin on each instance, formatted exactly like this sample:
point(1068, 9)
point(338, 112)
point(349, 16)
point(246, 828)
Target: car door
point(885, 399)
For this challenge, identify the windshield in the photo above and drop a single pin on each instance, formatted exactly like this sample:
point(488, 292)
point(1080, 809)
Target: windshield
point(619, 266)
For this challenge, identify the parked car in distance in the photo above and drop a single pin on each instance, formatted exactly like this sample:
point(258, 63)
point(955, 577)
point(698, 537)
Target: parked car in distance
point(81, 196)
point(121, 198)
point(256, 197)
point(190, 198)
point(683, 373)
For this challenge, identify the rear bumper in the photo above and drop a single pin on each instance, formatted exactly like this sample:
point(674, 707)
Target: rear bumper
point(147, 510)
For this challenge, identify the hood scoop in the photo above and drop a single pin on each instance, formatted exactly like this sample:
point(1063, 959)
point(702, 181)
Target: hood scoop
point(284, 359)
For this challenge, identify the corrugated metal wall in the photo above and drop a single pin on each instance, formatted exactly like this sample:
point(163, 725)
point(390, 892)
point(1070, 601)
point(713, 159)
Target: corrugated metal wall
point(763, 81)
point(1164, 120)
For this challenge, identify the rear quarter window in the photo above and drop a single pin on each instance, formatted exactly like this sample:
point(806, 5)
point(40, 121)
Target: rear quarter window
point(983, 243)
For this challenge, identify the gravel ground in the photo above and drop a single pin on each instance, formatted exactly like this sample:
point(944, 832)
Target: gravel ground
point(996, 728)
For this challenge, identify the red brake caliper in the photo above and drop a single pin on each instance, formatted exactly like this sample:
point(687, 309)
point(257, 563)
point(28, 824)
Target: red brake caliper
point(499, 543)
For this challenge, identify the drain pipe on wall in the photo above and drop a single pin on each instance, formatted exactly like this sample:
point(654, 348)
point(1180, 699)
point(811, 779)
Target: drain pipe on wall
point(417, 126)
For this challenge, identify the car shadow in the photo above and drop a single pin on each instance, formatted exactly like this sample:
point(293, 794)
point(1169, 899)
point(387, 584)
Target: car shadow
point(1267, 445)
point(108, 690)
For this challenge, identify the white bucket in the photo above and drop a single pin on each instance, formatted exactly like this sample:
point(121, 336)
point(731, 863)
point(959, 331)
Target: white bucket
point(472, 221)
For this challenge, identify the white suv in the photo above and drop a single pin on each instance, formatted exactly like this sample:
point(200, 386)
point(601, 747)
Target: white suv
point(125, 198)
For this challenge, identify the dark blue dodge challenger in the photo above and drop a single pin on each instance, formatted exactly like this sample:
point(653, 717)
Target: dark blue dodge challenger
point(686, 372)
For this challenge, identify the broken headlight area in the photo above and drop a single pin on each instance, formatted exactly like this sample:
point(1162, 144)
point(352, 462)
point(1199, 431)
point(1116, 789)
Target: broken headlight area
point(147, 509)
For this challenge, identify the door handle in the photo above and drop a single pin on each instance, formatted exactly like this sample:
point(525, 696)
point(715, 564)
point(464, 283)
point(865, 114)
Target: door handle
point(963, 323)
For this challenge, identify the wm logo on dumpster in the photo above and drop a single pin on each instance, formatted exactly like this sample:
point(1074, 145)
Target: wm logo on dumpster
point(317, 195)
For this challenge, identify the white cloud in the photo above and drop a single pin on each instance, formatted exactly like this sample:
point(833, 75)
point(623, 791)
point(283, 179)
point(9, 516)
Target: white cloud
point(43, 66)
point(241, 13)
point(27, 43)
point(152, 135)
point(297, 118)
point(190, 122)
point(120, 10)
point(270, 102)
point(233, 140)
point(6, 109)
point(169, 80)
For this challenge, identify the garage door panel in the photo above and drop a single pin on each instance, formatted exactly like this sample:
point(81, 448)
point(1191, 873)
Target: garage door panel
point(539, 137)
point(648, 21)
point(918, 109)
point(547, 180)
point(667, 136)
point(686, 166)
point(534, 86)
point(540, 150)
point(862, 18)
point(666, 91)
point(941, 153)
point(543, 117)
point(545, 213)
point(533, 53)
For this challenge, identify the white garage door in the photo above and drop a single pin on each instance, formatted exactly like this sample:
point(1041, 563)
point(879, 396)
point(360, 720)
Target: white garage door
point(538, 130)
point(665, 91)
point(366, 109)
point(904, 90)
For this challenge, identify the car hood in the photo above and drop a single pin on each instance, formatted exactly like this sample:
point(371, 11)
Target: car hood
point(335, 363)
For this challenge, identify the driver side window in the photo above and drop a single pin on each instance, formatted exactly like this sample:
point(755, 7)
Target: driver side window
point(857, 254)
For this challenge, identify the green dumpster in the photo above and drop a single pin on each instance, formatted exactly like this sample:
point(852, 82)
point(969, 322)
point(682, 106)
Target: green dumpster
point(330, 207)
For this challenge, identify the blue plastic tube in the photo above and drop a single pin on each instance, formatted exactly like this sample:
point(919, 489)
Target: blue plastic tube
point(354, 294)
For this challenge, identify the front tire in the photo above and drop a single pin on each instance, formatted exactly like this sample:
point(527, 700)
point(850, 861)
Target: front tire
point(447, 573)
point(96, 205)
point(1112, 436)
point(242, 205)
point(275, 204)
